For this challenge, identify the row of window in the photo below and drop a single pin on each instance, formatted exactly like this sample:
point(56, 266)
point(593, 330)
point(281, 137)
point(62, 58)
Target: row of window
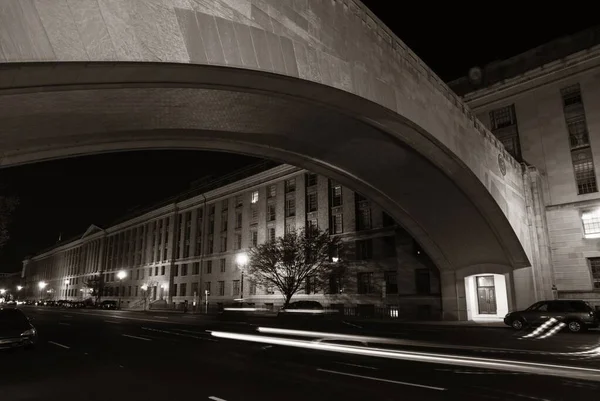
point(504, 126)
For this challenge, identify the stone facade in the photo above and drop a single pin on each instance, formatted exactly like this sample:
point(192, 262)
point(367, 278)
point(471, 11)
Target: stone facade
point(188, 246)
point(330, 69)
point(555, 114)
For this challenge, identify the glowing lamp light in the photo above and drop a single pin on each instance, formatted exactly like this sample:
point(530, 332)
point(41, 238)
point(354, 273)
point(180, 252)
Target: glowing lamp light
point(19, 287)
point(144, 287)
point(67, 281)
point(335, 259)
point(242, 259)
point(121, 275)
point(2, 291)
point(42, 285)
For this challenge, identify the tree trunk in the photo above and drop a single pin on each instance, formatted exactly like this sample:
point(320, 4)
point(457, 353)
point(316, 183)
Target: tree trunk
point(286, 300)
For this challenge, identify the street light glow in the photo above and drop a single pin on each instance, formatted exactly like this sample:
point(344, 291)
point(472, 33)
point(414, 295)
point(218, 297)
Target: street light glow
point(67, 281)
point(42, 285)
point(242, 259)
point(2, 291)
point(19, 287)
point(121, 274)
point(144, 287)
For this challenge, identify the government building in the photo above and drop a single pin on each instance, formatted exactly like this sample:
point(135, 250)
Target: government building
point(542, 105)
point(188, 250)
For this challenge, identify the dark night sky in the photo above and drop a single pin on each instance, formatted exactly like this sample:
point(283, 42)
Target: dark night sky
point(68, 195)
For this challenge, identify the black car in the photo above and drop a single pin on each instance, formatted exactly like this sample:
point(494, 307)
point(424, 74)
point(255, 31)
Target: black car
point(577, 315)
point(15, 329)
point(108, 305)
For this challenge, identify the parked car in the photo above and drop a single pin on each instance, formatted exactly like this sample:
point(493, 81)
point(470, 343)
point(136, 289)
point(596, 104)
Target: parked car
point(15, 329)
point(577, 315)
point(108, 305)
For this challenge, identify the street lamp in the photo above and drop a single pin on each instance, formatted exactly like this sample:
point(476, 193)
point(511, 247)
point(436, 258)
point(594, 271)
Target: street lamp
point(121, 275)
point(242, 260)
point(67, 282)
point(144, 288)
point(19, 287)
point(41, 286)
point(2, 291)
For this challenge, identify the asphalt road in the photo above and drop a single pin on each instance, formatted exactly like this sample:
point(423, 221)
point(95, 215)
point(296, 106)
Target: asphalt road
point(100, 355)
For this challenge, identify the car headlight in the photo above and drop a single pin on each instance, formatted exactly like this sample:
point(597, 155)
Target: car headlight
point(30, 332)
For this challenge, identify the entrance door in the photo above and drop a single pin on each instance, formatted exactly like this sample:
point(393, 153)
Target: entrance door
point(486, 295)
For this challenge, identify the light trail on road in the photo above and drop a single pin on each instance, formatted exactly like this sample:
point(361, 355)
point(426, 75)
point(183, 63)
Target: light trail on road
point(445, 359)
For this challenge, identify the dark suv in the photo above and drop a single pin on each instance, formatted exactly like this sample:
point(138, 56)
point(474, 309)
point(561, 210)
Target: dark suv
point(577, 315)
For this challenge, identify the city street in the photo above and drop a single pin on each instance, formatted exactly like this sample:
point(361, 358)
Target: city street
point(116, 355)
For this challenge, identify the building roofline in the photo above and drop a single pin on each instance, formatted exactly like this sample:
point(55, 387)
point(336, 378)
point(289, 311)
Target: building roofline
point(547, 53)
point(246, 177)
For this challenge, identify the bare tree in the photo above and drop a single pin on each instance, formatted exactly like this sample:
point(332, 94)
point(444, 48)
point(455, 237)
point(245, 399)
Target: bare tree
point(8, 204)
point(287, 262)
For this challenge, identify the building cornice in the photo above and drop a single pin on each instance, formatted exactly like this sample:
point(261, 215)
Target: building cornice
point(558, 70)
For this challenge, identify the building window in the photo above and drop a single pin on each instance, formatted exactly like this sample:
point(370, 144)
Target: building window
point(207, 287)
point(184, 269)
point(335, 284)
point(311, 179)
point(176, 270)
point(290, 185)
point(208, 266)
point(312, 202)
point(239, 201)
point(271, 234)
point(595, 270)
point(254, 197)
point(311, 226)
point(196, 268)
point(290, 226)
point(337, 223)
point(271, 213)
point(364, 249)
point(364, 281)
point(174, 290)
point(310, 285)
point(336, 195)
point(391, 283)
point(585, 175)
point(221, 285)
point(222, 265)
point(591, 223)
point(236, 287)
point(224, 243)
point(238, 219)
point(579, 140)
point(182, 289)
point(253, 237)
point(162, 270)
point(224, 220)
point(237, 241)
point(269, 290)
point(195, 289)
point(388, 246)
point(210, 245)
point(423, 281)
point(253, 214)
point(290, 207)
point(252, 290)
point(271, 191)
point(504, 127)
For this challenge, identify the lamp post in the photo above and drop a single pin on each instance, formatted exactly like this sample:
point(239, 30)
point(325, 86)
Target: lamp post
point(242, 261)
point(19, 288)
point(145, 288)
point(121, 275)
point(67, 290)
point(41, 286)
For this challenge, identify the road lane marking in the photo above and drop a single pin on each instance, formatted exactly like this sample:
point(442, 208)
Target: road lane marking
point(59, 345)
point(351, 324)
point(355, 365)
point(64, 324)
point(382, 380)
point(212, 397)
point(136, 337)
point(112, 321)
point(178, 334)
point(161, 317)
